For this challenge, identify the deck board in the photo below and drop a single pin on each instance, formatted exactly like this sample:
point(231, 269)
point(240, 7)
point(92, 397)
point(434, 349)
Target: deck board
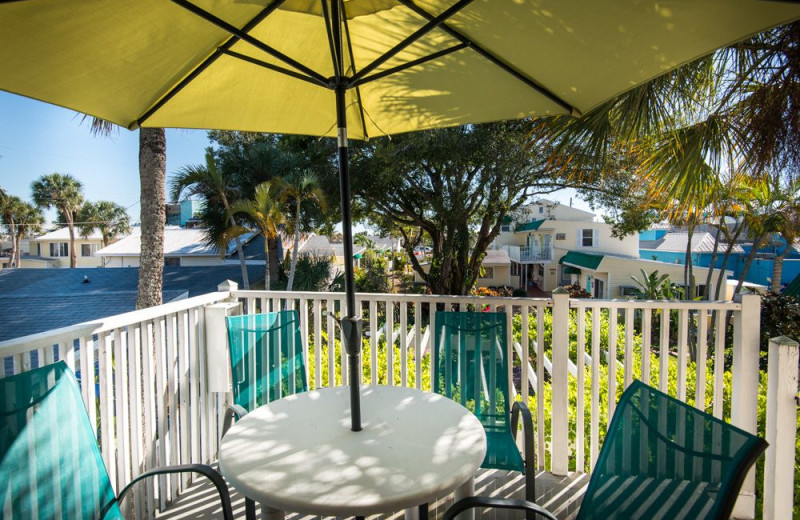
point(559, 495)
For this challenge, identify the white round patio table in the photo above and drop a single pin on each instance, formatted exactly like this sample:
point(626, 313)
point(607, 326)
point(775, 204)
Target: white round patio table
point(298, 453)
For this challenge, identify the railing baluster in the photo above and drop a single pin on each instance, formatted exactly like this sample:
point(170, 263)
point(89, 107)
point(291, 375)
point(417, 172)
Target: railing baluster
point(719, 365)
point(647, 319)
point(629, 326)
point(105, 380)
point(594, 435)
point(389, 343)
point(612, 363)
point(121, 375)
point(580, 428)
point(182, 387)
point(683, 348)
point(418, 344)
point(663, 356)
point(373, 342)
point(403, 343)
point(702, 357)
point(331, 346)
point(540, 386)
point(317, 343)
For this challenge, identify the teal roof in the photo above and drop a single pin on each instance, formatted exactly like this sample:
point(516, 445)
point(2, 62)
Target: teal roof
point(506, 219)
point(585, 260)
point(793, 289)
point(530, 226)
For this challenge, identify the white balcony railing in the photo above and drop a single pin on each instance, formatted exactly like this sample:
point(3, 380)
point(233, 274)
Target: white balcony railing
point(152, 405)
point(535, 254)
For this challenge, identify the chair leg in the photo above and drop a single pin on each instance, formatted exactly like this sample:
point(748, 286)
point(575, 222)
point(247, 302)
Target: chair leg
point(249, 509)
point(423, 512)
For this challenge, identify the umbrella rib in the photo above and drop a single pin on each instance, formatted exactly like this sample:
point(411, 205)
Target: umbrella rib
point(353, 63)
point(207, 62)
point(244, 36)
point(433, 23)
point(276, 68)
point(494, 59)
point(410, 64)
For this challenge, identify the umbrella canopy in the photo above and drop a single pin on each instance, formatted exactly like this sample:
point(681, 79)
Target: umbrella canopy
point(169, 64)
point(387, 66)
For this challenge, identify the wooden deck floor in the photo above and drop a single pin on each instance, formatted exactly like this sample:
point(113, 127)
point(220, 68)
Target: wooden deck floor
point(559, 495)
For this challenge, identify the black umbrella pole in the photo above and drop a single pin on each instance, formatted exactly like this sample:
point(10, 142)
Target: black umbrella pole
point(351, 323)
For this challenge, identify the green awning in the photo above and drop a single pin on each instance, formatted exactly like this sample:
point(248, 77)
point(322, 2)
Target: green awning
point(506, 219)
point(571, 270)
point(584, 260)
point(530, 226)
point(793, 289)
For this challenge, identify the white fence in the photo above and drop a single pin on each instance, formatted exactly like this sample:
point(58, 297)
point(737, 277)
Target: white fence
point(152, 405)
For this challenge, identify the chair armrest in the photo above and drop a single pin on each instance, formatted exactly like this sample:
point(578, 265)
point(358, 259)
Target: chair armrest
point(500, 503)
point(520, 408)
point(203, 469)
point(233, 410)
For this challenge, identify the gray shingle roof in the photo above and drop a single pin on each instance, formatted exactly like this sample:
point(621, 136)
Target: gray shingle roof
point(37, 300)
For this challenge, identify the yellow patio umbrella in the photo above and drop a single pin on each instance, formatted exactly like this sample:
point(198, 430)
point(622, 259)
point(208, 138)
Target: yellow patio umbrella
point(385, 66)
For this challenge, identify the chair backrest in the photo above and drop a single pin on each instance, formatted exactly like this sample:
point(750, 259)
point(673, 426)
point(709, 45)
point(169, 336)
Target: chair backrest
point(665, 459)
point(266, 357)
point(470, 365)
point(50, 465)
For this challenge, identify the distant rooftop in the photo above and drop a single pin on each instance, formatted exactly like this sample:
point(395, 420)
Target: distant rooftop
point(676, 242)
point(37, 300)
point(177, 242)
point(63, 234)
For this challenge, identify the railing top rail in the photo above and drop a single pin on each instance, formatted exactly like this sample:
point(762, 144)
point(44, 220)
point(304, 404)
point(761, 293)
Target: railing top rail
point(55, 336)
point(367, 297)
point(576, 303)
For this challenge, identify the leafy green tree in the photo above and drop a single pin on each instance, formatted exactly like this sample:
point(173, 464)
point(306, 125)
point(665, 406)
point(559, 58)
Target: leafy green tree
point(263, 215)
point(214, 186)
point(450, 186)
point(109, 217)
point(63, 192)
point(294, 191)
point(363, 240)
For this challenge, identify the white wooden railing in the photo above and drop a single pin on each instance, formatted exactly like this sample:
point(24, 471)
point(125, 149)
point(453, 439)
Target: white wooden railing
point(152, 405)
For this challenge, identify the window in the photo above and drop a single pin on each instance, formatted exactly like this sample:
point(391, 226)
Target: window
point(541, 209)
point(587, 238)
point(627, 290)
point(59, 249)
point(488, 272)
point(88, 249)
point(505, 228)
point(561, 236)
point(514, 269)
point(172, 261)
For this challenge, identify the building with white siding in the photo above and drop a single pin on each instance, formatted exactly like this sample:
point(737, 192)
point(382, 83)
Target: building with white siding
point(552, 245)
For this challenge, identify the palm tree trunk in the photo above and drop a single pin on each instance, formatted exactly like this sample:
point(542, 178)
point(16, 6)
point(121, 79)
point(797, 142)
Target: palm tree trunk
point(242, 260)
point(152, 167)
point(731, 243)
point(73, 257)
point(710, 274)
point(274, 260)
point(294, 247)
point(13, 228)
point(777, 270)
point(749, 262)
point(16, 249)
point(266, 264)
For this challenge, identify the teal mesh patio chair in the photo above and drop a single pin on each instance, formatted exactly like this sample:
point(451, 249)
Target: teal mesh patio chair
point(661, 459)
point(470, 366)
point(266, 360)
point(266, 364)
point(50, 465)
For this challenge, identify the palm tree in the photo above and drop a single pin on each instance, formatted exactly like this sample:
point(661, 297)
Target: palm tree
point(766, 215)
point(214, 186)
point(10, 206)
point(294, 190)
point(152, 174)
point(152, 203)
point(62, 192)
point(789, 230)
point(109, 217)
point(265, 215)
point(29, 220)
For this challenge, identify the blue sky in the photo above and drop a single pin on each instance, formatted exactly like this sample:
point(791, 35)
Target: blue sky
point(38, 138)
